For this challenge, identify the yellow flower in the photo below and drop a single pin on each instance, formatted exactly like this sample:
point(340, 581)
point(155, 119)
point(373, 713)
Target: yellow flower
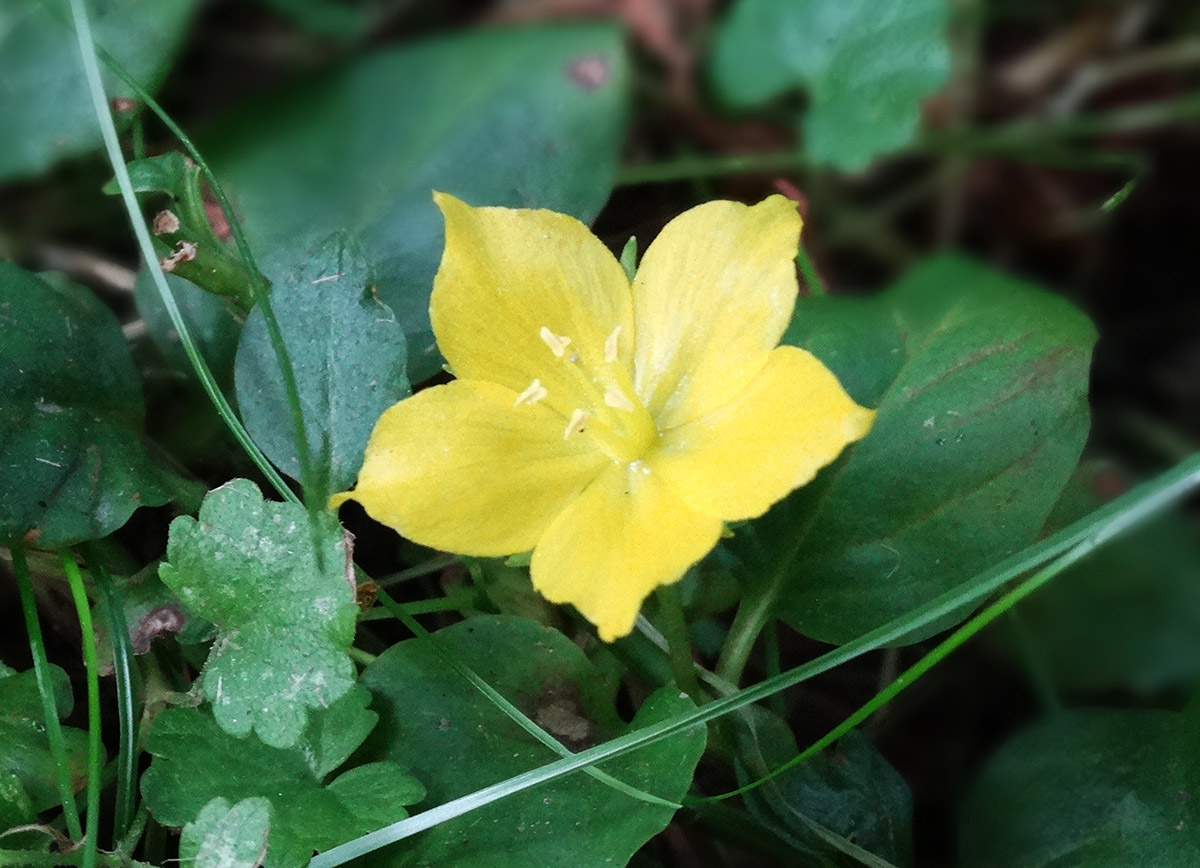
point(610, 428)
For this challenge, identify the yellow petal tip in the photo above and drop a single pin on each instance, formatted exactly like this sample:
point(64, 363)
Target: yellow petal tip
point(341, 497)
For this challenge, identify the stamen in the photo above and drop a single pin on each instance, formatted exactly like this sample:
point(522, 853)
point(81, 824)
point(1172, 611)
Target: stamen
point(534, 393)
point(616, 399)
point(557, 344)
point(577, 424)
point(610, 345)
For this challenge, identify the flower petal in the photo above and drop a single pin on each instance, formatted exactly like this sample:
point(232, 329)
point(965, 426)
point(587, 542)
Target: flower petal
point(524, 295)
point(459, 468)
point(711, 298)
point(624, 536)
point(792, 420)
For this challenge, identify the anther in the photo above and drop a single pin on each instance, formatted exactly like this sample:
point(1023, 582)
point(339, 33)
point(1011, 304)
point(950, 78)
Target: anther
point(557, 344)
point(610, 345)
point(616, 399)
point(577, 424)
point(534, 393)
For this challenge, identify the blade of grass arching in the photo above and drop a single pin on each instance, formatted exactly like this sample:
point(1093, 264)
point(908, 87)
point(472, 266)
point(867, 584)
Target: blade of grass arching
point(126, 696)
point(944, 648)
point(498, 699)
point(262, 290)
point(87, 53)
point(1088, 533)
point(41, 671)
point(95, 764)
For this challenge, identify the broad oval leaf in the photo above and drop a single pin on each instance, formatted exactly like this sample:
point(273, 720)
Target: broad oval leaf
point(521, 117)
point(980, 383)
point(71, 413)
point(866, 65)
point(1088, 789)
point(47, 110)
point(347, 352)
point(430, 715)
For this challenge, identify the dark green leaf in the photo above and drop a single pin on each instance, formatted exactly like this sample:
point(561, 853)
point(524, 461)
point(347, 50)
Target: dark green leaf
point(71, 413)
point(981, 392)
point(348, 355)
point(47, 110)
point(285, 612)
point(225, 836)
point(1129, 615)
point(1087, 789)
point(430, 716)
point(832, 807)
point(27, 770)
point(528, 117)
point(866, 65)
point(196, 761)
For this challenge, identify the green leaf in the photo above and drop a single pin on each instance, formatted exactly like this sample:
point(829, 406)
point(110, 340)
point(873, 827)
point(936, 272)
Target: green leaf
point(25, 758)
point(48, 114)
point(866, 65)
point(516, 117)
point(225, 836)
point(285, 612)
point(429, 713)
point(348, 354)
point(1128, 616)
point(71, 413)
point(1087, 789)
point(841, 807)
point(980, 384)
point(196, 761)
point(333, 734)
point(16, 809)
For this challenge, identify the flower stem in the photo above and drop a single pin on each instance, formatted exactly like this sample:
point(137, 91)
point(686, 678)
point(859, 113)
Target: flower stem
point(752, 615)
point(95, 764)
point(812, 279)
point(670, 607)
point(41, 669)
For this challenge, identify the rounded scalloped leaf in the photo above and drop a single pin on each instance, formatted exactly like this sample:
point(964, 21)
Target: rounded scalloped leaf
point(866, 65)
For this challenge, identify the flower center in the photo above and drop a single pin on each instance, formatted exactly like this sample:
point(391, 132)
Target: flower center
point(600, 402)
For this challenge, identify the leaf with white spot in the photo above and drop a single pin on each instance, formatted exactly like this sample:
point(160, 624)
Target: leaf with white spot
point(285, 610)
point(227, 837)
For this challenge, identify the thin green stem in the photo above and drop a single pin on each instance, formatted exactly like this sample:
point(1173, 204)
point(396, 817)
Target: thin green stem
point(452, 603)
point(809, 272)
point(439, 562)
point(670, 607)
point(41, 671)
point(112, 145)
point(1028, 140)
point(752, 615)
point(127, 692)
point(770, 637)
point(261, 293)
point(95, 762)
